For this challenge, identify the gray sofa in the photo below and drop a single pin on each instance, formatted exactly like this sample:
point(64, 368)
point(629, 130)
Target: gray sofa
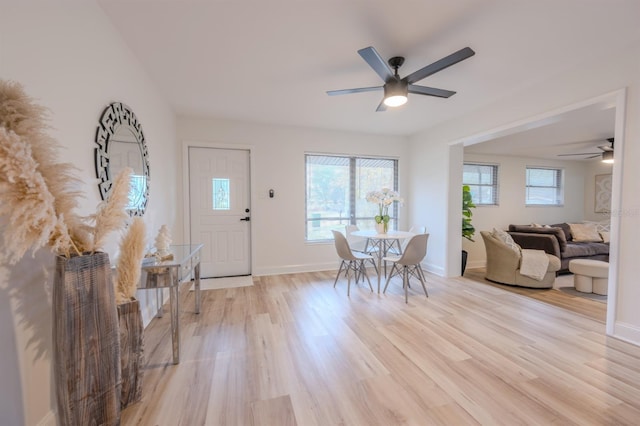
point(557, 241)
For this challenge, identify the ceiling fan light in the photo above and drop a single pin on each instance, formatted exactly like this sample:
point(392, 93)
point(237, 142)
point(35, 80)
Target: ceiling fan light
point(394, 101)
point(607, 157)
point(395, 93)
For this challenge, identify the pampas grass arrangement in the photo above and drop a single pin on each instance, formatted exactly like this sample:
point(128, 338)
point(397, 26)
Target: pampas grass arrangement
point(128, 266)
point(38, 194)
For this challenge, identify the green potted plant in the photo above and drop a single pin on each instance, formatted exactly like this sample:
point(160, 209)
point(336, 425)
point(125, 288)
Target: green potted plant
point(468, 230)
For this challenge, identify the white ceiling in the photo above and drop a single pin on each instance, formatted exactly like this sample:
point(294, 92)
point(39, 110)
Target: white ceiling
point(273, 61)
point(580, 131)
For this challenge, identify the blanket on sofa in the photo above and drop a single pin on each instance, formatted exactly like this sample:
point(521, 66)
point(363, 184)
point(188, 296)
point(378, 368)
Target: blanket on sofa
point(534, 264)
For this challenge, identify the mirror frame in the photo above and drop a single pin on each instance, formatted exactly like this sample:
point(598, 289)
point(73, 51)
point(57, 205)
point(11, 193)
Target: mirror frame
point(115, 116)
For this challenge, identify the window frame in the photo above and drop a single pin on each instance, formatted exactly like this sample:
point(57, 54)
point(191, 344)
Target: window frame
point(559, 188)
point(495, 185)
point(351, 218)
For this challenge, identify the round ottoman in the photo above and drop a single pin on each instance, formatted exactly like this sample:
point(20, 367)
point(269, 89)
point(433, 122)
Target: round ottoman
point(590, 276)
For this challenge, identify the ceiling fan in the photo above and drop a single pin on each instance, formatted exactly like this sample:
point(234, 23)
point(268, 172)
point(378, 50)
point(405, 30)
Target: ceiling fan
point(396, 88)
point(607, 152)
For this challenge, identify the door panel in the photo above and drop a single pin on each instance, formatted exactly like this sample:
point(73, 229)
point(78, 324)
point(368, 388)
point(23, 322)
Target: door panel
point(219, 196)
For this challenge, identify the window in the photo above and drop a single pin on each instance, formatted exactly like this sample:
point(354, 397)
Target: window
point(336, 192)
point(544, 187)
point(483, 182)
point(137, 192)
point(220, 194)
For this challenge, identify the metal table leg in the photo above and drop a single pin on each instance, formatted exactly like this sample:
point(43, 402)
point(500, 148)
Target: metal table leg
point(174, 301)
point(197, 287)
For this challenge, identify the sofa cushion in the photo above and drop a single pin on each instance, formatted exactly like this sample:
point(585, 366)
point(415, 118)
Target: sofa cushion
point(558, 232)
point(506, 238)
point(584, 232)
point(578, 249)
point(566, 228)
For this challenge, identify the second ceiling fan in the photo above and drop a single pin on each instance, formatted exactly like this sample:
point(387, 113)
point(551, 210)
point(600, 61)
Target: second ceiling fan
point(606, 154)
point(396, 88)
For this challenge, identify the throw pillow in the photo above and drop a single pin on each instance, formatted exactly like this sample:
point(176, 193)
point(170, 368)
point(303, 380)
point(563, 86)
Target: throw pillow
point(582, 232)
point(605, 236)
point(506, 238)
point(565, 228)
point(536, 225)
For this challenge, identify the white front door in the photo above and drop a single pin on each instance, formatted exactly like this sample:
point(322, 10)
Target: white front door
point(219, 197)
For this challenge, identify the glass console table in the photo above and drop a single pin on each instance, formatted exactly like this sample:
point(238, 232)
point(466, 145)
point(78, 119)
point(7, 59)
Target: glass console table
point(170, 274)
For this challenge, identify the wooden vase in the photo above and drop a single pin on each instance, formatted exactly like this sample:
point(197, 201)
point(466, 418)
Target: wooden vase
point(131, 352)
point(86, 341)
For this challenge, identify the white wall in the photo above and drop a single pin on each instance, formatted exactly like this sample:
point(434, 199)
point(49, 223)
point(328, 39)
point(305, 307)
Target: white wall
point(512, 209)
point(70, 59)
point(595, 78)
point(277, 161)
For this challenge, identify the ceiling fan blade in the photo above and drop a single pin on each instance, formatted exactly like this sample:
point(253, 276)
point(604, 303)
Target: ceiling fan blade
point(443, 63)
point(371, 56)
point(357, 90)
point(430, 91)
point(606, 148)
point(382, 107)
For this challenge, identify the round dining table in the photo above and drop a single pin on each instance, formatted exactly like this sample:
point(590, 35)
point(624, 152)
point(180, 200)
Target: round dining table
point(382, 243)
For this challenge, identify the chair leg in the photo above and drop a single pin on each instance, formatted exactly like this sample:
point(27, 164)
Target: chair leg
point(422, 279)
point(394, 267)
point(373, 261)
point(349, 269)
point(364, 272)
point(338, 274)
point(405, 282)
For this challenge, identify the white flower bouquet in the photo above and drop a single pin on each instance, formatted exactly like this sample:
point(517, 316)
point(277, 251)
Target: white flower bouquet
point(384, 198)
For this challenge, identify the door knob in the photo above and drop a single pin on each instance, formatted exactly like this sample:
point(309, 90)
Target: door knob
point(246, 218)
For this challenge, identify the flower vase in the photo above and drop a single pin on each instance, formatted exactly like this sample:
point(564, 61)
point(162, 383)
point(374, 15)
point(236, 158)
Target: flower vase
point(86, 343)
point(131, 351)
point(381, 228)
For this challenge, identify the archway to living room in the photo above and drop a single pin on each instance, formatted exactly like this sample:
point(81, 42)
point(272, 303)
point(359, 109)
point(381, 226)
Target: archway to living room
point(510, 141)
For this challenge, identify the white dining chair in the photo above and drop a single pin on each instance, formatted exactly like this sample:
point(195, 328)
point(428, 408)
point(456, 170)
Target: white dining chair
point(408, 264)
point(359, 244)
point(350, 261)
point(403, 245)
point(413, 230)
point(355, 243)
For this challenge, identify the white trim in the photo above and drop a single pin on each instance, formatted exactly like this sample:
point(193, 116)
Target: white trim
point(185, 185)
point(616, 206)
point(616, 98)
point(625, 331)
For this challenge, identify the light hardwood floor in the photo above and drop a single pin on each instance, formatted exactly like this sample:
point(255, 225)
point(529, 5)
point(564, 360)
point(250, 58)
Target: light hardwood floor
point(292, 350)
point(581, 305)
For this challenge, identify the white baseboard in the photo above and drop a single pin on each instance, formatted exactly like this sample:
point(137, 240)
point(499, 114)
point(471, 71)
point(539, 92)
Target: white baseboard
point(476, 264)
point(333, 266)
point(627, 332)
point(292, 269)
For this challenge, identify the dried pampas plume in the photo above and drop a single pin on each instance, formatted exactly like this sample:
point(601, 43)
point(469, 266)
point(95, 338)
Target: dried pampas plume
point(128, 267)
point(38, 194)
point(112, 214)
point(34, 188)
point(26, 200)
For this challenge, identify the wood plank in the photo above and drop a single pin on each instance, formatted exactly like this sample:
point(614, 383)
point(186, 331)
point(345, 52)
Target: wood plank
point(292, 349)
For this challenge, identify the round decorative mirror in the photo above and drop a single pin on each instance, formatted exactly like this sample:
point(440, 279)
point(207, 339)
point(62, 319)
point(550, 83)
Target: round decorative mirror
point(121, 144)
